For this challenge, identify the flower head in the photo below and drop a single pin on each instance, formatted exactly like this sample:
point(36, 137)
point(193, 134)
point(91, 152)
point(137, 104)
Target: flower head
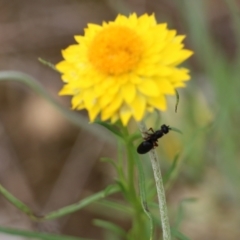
point(124, 68)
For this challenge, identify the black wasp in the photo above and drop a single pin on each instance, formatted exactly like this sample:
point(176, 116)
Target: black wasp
point(151, 139)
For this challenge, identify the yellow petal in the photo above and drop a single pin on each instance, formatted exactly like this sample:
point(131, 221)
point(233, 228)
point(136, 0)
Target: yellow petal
point(77, 100)
point(114, 118)
point(128, 92)
point(111, 108)
point(66, 90)
point(83, 83)
point(72, 53)
point(93, 112)
point(125, 114)
point(149, 88)
point(102, 87)
point(179, 84)
point(159, 102)
point(183, 56)
point(179, 75)
point(165, 86)
point(179, 38)
point(89, 98)
point(64, 66)
point(138, 107)
point(105, 99)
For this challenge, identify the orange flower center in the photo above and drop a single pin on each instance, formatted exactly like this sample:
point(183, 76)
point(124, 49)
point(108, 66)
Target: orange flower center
point(115, 50)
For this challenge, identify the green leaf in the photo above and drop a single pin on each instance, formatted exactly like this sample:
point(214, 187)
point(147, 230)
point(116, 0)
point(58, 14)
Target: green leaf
point(143, 195)
point(169, 173)
point(122, 186)
point(49, 64)
point(176, 130)
point(83, 203)
point(120, 159)
point(37, 235)
point(111, 128)
point(151, 189)
point(111, 189)
point(117, 206)
point(109, 160)
point(177, 100)
point(17, 203)
point(134, 137)
point(178, 235)
point(110, 227)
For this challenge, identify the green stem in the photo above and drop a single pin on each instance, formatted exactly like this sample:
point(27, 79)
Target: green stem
point(62, 211)
point(138, 224)
point(160, 188)
point(130, 161)
point(120, 171)
point(130, 165)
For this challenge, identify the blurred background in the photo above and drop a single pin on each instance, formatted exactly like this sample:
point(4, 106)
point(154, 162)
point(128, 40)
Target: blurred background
point(48, 163)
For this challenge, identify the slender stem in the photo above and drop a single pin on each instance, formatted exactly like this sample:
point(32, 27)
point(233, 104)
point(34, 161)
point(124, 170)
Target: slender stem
point(130, 165)
point(138, 221)
point(160, 189)
point(131, 173)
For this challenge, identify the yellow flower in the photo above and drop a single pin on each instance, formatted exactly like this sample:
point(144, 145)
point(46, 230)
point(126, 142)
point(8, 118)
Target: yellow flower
point(124, 68)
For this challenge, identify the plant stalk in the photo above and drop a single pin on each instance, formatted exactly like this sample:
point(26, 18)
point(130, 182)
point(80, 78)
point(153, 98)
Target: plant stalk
point(160, 188)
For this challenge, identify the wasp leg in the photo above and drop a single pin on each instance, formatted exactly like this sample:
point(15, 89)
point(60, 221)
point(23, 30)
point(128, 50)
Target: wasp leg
point(148, 135)
point(147, 132)
point(150, 129)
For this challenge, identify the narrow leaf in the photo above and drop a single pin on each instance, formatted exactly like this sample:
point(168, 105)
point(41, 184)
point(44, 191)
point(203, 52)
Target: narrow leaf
point(83, 203)
point(109, 160)
point(178, 235)
point(176, 130)
point(110, 227)
point(169, 173)
point(37, 235)
point(63, 211)
point(177, 100)
point(17, 203)
point(143, 197)
point(134, 137)
point(49, 64)
point(116, 206)
point(111, 128)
